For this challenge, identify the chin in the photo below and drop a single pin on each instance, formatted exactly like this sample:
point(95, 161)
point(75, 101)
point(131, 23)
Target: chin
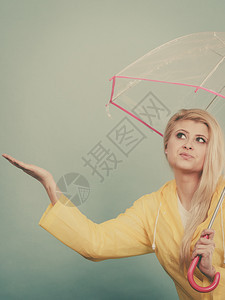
point(187, 168)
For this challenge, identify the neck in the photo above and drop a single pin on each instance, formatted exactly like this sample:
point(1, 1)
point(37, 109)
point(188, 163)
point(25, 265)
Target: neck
point(187, 184)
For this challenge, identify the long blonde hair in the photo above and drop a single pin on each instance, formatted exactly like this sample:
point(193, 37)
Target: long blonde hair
point(212, 171)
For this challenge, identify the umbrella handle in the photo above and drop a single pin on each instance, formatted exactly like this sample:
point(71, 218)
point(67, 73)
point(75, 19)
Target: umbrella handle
point(191, 277)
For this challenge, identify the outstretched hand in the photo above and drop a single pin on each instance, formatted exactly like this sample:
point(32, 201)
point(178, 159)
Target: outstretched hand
point(38, 173)
point(205, 248)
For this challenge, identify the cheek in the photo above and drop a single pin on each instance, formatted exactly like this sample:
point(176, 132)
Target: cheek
point(173, 147)
point(202, 153)
point(171, 154)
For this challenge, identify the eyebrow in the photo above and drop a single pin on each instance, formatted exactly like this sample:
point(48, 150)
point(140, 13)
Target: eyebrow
point(196, 134)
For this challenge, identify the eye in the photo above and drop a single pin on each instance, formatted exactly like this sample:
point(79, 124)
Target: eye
point(181, 135)
point(200, 140)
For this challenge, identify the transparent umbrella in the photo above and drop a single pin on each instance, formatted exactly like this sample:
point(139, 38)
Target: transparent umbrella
point(188, 72)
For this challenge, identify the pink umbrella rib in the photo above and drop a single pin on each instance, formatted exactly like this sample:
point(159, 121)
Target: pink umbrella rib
point(136, 118)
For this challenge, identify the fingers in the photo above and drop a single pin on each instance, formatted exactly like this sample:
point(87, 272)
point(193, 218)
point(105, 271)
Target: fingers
point(204, 246)
point(10, 158)
point(209, 232)
point(36, 172)
point(203, 241)
point(15, 162)
point(203, 250)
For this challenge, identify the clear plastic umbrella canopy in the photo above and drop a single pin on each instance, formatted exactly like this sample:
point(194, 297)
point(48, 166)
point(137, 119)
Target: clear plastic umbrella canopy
point(188, 72)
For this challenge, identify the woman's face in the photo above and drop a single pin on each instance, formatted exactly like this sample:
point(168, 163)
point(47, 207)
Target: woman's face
point(186, 148)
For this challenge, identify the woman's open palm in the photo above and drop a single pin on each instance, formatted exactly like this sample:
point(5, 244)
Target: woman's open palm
point(38, 173)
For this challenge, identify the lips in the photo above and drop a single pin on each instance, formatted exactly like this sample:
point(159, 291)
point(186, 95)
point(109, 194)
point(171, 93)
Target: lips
point(186, 155)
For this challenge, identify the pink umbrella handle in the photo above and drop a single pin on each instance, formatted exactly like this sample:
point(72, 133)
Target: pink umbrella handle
point(191, 277)
point(194, 284)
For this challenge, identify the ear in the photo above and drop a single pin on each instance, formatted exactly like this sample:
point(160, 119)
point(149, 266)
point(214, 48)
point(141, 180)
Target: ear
point(166, 150)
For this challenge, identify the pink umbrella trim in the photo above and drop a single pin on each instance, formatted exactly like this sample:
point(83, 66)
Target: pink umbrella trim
point(153, 80)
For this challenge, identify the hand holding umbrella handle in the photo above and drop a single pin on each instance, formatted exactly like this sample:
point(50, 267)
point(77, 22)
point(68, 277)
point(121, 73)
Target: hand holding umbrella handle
point(196, 259)
point(191, 277)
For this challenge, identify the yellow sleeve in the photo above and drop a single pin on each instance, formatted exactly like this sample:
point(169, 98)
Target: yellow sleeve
point(123, 236)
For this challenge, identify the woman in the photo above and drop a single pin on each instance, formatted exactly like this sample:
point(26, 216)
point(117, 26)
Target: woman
point(170, 222)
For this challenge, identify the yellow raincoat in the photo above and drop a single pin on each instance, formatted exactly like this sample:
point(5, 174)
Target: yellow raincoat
point(152, 224)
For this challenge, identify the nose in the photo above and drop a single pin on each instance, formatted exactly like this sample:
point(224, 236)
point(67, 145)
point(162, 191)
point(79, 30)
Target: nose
point(187, 145)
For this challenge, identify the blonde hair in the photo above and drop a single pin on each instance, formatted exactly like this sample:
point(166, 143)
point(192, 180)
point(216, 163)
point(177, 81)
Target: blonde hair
point(211, 173)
